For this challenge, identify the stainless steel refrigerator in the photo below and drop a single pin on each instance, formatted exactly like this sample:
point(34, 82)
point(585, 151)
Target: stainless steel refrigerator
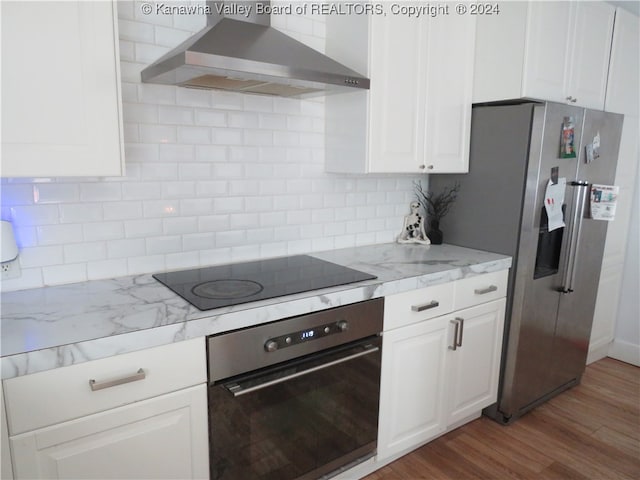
point(515, 152)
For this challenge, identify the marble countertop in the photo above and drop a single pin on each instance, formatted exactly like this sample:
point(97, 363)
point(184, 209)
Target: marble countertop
point(52, 327)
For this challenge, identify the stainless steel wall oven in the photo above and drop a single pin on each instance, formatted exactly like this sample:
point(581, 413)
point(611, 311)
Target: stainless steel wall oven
point(297, 398)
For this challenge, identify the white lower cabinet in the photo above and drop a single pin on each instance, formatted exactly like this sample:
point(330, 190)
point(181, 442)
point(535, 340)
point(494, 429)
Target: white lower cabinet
point(438, 373)
point(412, 376)
point(164, 437)
point(136, 415)
point(473, 367)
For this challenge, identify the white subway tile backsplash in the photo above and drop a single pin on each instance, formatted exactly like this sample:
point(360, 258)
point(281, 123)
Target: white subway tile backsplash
point(213, 223)
point(170, 37)
point(198, 241)
point(158, 134)
point(175, 115)
point(159, 171)
point(41, 256)
point(134, 31)
point(211, 118)
point(230, 238)
point(211, 188)
point(128, 248)
point(143, 228)
point(227, 100)
point(211, 153)
point(178, 189)
point(194, 135)
point(196, 206)
point(27, 236)
point(182, 260)
point(215, 256)
point(160, 208)
point(141, 190)
point(193, 171)
point(30, 215)
point(211, 177)
point(166, 244)
point(227, 136)
point(258, 103)
point(84, 252)
point(100, 192)
point(106, 269)
point(18, 194)
point(103, 231)
point(179, 225)
point(55, 193)
point(58, 234)
point(122, 210)
point(228, 204)
point(145, 264)
point(239, 221)
point(243, 120)
point(61, 274)
point(193, 98)
point(157, 94)
point(258, 137)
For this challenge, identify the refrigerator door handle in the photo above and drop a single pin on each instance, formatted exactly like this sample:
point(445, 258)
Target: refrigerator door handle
point(582, 196)
point(574, 236)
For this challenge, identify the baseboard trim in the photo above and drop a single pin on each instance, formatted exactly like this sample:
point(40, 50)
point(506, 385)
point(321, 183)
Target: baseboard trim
point(598, 351)
point(625, 352)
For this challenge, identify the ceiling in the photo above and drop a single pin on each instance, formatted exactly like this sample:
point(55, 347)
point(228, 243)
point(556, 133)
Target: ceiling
point(632, 5)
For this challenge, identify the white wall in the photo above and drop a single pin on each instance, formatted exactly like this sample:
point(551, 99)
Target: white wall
point(626, 342)
point(211, 177)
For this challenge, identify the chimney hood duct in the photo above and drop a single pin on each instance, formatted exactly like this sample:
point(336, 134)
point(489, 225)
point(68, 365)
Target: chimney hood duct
point(238, 50)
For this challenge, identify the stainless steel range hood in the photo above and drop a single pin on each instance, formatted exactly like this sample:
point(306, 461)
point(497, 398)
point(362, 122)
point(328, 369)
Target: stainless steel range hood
point(238, 50)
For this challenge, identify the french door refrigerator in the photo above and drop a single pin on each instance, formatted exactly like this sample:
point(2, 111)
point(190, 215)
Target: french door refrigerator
point(515, 152)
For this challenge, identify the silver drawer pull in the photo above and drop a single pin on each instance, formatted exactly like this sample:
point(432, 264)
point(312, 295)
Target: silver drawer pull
point(425, 306)
point(482, 291)
point(139, 375)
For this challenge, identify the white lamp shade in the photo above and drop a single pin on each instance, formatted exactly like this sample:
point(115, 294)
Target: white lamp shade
point(8, 246)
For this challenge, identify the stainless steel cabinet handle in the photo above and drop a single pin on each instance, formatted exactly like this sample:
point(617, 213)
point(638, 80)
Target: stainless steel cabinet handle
point(456, 332)
point(425, 306)
point(139, 375)
point(482, 291)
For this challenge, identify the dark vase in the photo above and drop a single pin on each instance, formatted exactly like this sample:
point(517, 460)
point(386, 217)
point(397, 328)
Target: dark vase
point(434, 233)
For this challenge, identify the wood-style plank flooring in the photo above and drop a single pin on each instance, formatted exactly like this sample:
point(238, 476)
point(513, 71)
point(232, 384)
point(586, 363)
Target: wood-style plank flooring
point(592, 431)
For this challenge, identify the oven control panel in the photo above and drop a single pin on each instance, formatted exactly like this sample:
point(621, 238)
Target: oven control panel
point(302, 336)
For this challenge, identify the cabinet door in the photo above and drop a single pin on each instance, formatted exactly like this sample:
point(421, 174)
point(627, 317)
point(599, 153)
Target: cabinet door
point(396, 96)
point(61, 107)
point(412, 383)
point(624, 77)
point(593, 29)
point(473, 367)
point(450, 63)
point(547, 59)
point(164, 437)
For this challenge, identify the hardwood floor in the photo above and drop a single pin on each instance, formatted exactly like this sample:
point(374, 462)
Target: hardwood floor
point(589, 432)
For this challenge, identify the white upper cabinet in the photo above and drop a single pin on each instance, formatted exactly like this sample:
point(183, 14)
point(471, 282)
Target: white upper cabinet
point(556, 51)
point(417, 115)
point(61, 104)
point(623, 84)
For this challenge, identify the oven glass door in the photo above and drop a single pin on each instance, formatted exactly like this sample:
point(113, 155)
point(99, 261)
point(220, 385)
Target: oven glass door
point(299, 420)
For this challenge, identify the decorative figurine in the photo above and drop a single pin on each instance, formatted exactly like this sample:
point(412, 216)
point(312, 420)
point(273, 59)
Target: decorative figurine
point(413, 229)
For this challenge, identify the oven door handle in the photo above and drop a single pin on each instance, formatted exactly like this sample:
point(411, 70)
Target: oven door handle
point(236, 389)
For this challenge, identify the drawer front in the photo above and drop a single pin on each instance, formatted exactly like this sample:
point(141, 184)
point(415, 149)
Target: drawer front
point(481, 289)
point(46, 398)
point(417, 305)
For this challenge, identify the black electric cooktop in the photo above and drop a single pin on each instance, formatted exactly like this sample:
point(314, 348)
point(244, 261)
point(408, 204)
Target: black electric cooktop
point(233, 284)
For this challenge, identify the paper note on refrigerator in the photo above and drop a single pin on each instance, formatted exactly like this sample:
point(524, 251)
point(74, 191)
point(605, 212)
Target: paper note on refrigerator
point(603, 201)
point(553, 201)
